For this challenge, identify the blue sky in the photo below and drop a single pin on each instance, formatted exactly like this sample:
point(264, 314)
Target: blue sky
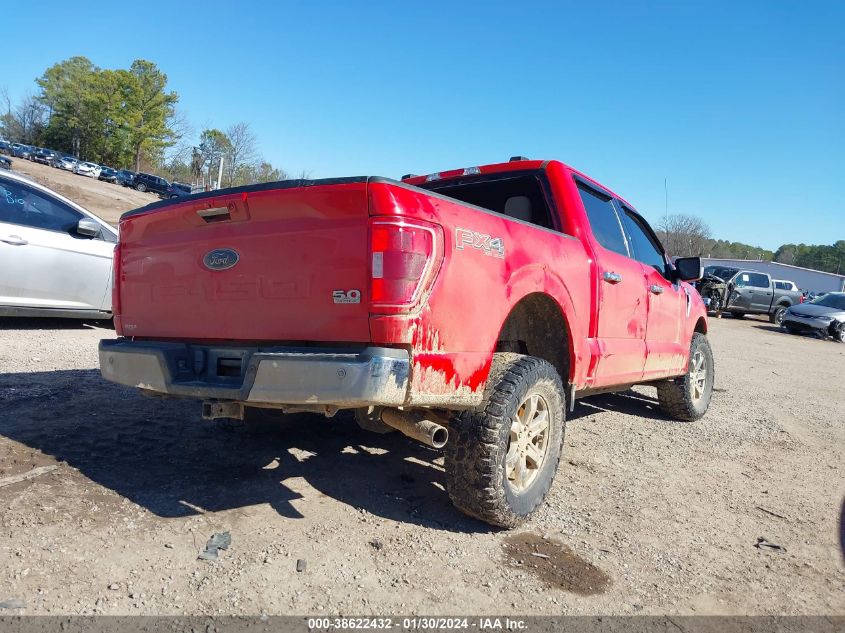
point(740, 105)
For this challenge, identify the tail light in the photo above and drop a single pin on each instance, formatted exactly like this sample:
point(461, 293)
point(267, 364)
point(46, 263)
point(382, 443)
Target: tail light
point(115, 291)
point(801, 299)
point(405, 256)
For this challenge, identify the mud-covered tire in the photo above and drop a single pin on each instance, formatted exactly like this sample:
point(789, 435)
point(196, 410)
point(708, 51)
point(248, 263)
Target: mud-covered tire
point(684, 398)
point(369, 419)
point(776, 317)
point(480, 440)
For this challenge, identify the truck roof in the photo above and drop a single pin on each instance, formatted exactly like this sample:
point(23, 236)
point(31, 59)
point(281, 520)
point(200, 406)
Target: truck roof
point(498, 168)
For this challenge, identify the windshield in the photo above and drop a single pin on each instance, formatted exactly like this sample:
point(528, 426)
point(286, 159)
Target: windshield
point(723, 272)
point(831, 301)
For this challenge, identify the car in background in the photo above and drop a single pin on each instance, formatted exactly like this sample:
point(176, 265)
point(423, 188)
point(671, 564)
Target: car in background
point(823, 316)
point(19, 150)
point(5, 147)
point(107, 174)
point(149, 182)
point(812, 296)
point(126, 178)
point(45, 156)
point(5, 162)
point(177, 190)
point(67, 163)
point(785, 284)
point(92, 170)
point(742, 292)
point(56, 257)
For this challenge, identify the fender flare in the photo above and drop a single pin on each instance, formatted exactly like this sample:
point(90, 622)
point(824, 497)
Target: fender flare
point(537, 278)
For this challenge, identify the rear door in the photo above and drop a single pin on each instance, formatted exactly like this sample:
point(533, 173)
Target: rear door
point(44, 262)
point(761, 291)
point(622, 301)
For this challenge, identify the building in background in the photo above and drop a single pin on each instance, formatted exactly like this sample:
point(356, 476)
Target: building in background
point(805, 278)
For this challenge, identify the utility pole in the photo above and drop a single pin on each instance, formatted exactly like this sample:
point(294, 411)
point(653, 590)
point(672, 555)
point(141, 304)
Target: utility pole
point(220, 173)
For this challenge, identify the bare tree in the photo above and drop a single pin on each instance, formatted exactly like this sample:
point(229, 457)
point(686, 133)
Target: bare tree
point(25, 122)
point(243, 152)
point(684, 235)
point(6, 116)
point(184, 134)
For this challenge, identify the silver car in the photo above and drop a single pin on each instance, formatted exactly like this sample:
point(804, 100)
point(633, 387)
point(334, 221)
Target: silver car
point(55, 257)
point(824, 316)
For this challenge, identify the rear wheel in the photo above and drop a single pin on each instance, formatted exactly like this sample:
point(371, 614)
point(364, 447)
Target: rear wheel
point(502, 457)
point(776, 317)
point(687, 397)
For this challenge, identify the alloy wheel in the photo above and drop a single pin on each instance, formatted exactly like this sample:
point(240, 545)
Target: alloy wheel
point(528, 442)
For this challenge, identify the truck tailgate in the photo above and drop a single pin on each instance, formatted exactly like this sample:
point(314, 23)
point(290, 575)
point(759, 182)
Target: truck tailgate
point(281, 262)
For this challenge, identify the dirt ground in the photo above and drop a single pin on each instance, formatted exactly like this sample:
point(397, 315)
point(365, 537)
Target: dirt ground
point(647, 516)
point(103, 199)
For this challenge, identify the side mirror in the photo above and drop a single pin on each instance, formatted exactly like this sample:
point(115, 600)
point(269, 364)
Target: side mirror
point(688, 268)
point(88, 228)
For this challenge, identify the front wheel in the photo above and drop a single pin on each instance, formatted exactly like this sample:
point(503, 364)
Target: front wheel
point(141, 187)
point(502, 457)
point(687, 397)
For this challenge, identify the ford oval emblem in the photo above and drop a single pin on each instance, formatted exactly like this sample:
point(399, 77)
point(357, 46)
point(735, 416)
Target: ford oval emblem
point(220, 259)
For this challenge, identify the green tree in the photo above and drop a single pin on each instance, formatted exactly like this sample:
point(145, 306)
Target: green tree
point(148, 107)
point(66, 93)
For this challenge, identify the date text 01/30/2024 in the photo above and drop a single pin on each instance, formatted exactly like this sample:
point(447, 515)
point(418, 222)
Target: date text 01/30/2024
point(417, 623)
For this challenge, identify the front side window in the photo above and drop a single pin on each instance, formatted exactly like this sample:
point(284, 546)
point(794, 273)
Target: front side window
point(23, 205)
point(603, 219)
point(642, 244)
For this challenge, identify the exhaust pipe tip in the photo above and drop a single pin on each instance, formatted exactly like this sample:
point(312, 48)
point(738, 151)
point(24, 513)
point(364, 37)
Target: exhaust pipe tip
point(418, 425)
point(439, 437)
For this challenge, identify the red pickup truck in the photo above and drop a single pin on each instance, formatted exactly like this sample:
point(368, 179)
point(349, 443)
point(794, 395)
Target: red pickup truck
point(467, 309)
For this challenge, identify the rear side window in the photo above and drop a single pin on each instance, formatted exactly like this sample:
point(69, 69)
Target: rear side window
point(644, 248)
point(522, 197)
point(603, 220)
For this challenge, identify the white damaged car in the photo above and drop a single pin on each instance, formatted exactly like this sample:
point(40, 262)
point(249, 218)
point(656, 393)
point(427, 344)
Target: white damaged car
point(91, 170)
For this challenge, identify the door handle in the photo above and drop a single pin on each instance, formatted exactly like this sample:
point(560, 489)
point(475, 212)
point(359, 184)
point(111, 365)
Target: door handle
point(611, 278)
point(655, 289)
point(14, 240)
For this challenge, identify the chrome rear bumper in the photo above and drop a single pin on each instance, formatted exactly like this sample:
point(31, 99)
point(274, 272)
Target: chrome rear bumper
point(363, 376)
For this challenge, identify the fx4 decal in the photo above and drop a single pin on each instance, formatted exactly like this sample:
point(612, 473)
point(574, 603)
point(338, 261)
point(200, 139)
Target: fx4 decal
point(493, 246)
